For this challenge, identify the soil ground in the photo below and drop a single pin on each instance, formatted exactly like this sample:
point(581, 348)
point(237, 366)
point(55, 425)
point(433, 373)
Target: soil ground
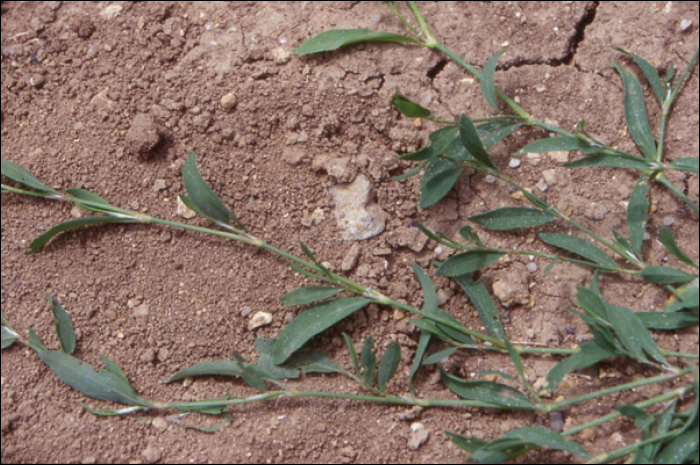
point(157, 300)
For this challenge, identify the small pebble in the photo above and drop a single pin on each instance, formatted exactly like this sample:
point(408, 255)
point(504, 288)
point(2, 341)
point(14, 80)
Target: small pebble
point(351, 258)
point(685, 24)
point(490, 179)
point(442, 297)
point(183, 211)
point(556, 422)
point(420, 436)
point(532, 267)
point(111, 12)
point(160, 424)
point(260, 319)
point(669, 220)
point(514, 163)
point(228, 101)
point(151, 454)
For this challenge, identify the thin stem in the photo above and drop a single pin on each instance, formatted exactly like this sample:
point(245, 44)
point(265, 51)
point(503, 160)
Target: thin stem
point(429, 39)
point(608, 457)
point(679, 193)
point(395, 10)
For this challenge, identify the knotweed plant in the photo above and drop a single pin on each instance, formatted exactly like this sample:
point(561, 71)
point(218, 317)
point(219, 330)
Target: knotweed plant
point(667, 423)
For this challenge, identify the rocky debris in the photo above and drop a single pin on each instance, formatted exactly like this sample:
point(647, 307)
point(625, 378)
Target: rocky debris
point(511, 286)
point(342, 169)
point(358, 219)
point(152, 454)
point(228, 101)
point(351, 258)
point(348, 454)
point(183, 211)
point(160, 423)
point(411, 415)
point(409, 237)
point(141, 311)
point(144, 134)
point(111, 12)
point(260, 319)
point(419, 437)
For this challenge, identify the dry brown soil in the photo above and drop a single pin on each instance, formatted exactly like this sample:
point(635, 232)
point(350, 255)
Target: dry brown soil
point(157, 300)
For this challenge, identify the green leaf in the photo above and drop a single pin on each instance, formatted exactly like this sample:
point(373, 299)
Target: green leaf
point(82, 194)
point(495, 131)
point(593, 303)
point(667, 321)
point(472, 142)
point(669, 241)
point(468, 262)
point(614, 161)
point(264, 348)
point(551, 266)
point(690, 296)
point(228, 368)
point(578, 246)
point(39, 243)
point(255, 376)
point(508, 218)
point(309, 295)
point(24, 177)
point(638, 214)
point(641, 418)
point(109, 384)
point(411, 173)
point(389, 365)
point(353, 354)
point(665, 275)
point(468, 233)
point(482, 301)
point(681, 449)
point(64, 326)
point(542, 437)
point(409, 108)
point(314, 362)
point(485, 391)
point(9, 337)
point(312, 322)
point(559, 143)
point(438, 357)
point(633, 334)
point(440, 140)
point(369, 361)
point(430, 306)
point(636, 114)
point(34, 342)
point(332, 40)
point(590, 354)
point(685, 164)
point(438, 180)
point(649, 72)
point(466, 444)
point(488, 88)
point(203, 197)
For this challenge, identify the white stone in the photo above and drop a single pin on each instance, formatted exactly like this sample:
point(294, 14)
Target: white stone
point(358, 219)
point(260, 319)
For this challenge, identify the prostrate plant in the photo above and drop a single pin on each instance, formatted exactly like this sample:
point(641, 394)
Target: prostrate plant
point(669, 429)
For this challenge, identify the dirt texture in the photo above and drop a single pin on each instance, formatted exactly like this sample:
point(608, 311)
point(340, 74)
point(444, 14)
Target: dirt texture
point(112, 97)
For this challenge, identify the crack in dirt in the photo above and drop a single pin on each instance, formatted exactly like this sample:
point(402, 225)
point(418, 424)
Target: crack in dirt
point(574, 42)
point(437, 68)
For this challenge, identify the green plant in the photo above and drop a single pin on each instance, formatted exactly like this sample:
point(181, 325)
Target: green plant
point(668, 427)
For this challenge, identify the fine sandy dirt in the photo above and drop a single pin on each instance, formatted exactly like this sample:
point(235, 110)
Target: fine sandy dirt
point(74, 82)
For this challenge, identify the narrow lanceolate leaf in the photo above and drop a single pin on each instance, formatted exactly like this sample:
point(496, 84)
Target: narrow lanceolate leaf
point(614, 161)
point(39, 243)
point(467, 263)
point(507, 218)
point(309, 295)
point(665, 275)
point(81, 194)
point(333, 40)
point(590, 354)
point(353, 354)
point(690, 298)
point(559, 143)
point(468, 233)
point(312, 322)
point(495, 131)
point(633, 334)
point(544, 438)
point(229, 368)
point(264, 348)
point(683, 449)
point(203, 197)
point(369, 361)
point(64, 326)
point(409, 108)
point(314, 362)
point(440, 140)
point(488, 88)
point(667, 321)
point(24, 177)
point(438, 357)
point(636, 114)
point(409, 174)
point(578, 246)
point(638, 214)
point(438, 180)
point(9, 337)
point(389, 365)
point(669, 241)
point(430, 307)
point(108, 384)
point(486, 391)
point(472, 142)
point(482, 301)
point(593, 303)
point(685, 164)
point(650, 73)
